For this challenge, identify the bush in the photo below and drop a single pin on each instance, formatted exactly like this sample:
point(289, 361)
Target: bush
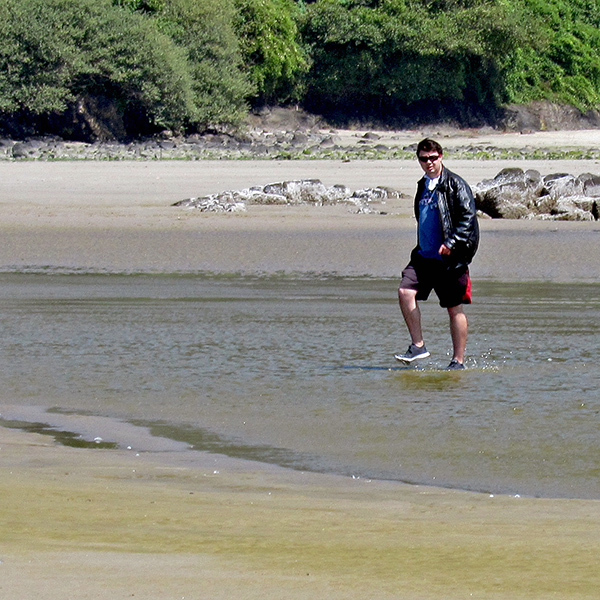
point(101, 69)
point(271, 48)
point(61, 57)
point(117, 68)
point(390, 57)
point(561, 59)
point(450, 57)
point(203, 30)
point(144, 6)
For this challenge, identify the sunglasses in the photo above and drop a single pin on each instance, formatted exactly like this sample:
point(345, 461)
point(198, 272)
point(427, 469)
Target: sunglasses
point(431, 158)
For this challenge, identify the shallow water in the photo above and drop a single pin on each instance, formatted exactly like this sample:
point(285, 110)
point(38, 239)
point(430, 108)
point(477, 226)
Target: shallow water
point(300, 372)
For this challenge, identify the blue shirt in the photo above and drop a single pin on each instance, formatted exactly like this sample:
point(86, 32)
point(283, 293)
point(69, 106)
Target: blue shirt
point(430, 223)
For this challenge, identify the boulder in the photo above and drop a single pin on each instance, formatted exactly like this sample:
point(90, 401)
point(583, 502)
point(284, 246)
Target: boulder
point(518, 194)
point(561, 184)
point(591, 185)
point(509, 195)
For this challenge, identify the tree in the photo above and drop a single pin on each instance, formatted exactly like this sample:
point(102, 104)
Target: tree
point(561, 59)
point(203, 30)
point(143, 6)
point(117, 68)
point(59, 59)
point(271, 47)
point(390, 57)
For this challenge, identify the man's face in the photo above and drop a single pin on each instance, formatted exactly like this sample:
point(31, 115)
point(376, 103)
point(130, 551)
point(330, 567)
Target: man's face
point(431, 163)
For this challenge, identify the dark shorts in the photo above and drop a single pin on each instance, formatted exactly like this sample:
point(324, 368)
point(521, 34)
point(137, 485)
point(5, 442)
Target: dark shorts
point(451, 285)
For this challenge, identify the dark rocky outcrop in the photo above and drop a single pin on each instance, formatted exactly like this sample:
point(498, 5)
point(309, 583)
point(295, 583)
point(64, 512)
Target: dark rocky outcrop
point(518, 194)
point(547, 116)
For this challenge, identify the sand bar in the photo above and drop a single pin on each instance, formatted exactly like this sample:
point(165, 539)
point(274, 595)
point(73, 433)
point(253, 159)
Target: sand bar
point(95, 524)
point(118, 217)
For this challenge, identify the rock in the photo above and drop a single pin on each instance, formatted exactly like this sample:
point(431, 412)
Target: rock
point(304, 191)
point(21, 150)
point(97, 118)
point(548, 116)
point(326, 141)
point(518, 194)
point(591, 184)
point(28, 148)
point(309, 191)
point(509, 194)
point(567, 209)
point(213, 204)
point(300, 138)
point(562, 184)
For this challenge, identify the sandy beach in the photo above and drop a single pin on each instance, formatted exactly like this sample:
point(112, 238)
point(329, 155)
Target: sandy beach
point(97, 524)
point(117, 217)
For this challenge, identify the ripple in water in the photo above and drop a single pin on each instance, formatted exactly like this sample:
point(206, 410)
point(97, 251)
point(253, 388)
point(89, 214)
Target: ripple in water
point(301, 372)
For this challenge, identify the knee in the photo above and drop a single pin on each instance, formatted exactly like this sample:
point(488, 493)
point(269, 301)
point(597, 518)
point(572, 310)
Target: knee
point(457, 314)
point(454, 311)
point(405, 295)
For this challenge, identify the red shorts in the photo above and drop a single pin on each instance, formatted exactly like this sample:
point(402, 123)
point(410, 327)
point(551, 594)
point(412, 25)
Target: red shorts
point(451, 285)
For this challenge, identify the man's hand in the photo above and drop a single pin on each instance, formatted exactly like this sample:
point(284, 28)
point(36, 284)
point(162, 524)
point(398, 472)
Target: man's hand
point(444, 250)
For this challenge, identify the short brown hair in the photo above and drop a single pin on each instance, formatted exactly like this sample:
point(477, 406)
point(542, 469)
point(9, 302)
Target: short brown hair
point(429, 145)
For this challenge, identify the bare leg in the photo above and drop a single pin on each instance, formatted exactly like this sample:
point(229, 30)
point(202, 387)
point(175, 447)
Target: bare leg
point(412, 315)
point(458, 331)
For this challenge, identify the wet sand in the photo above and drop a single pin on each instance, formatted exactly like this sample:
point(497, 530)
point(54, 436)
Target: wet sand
point(96, 524)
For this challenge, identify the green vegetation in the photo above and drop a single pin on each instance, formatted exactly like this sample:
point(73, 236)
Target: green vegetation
point(94, 69)
point(408, 56)
point(96, 66)
point(203, 29)
point(272, 49)
point(61, 56)
point(561, 59)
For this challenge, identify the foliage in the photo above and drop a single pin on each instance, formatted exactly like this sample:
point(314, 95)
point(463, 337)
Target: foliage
point(144, 6)
point(176, 66)
point(53, 52)
point(561, 62)
point(409, 56)
point(403, 53)
point(271, 47)
point(203, 30)
point(192, 64)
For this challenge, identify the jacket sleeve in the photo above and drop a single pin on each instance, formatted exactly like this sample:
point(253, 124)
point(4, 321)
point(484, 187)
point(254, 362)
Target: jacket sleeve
point(464, 236)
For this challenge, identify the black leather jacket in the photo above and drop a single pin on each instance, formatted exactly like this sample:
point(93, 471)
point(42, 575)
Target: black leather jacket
point(458, 214)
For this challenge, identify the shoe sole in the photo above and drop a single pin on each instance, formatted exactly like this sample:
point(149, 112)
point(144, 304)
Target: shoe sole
point(407, 361)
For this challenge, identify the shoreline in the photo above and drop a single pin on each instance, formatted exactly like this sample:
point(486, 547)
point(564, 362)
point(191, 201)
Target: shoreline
point(285, 142)
point(95, 523)
point(75, 430)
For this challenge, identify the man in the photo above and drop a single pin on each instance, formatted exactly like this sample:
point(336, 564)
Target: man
point(447, 239)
